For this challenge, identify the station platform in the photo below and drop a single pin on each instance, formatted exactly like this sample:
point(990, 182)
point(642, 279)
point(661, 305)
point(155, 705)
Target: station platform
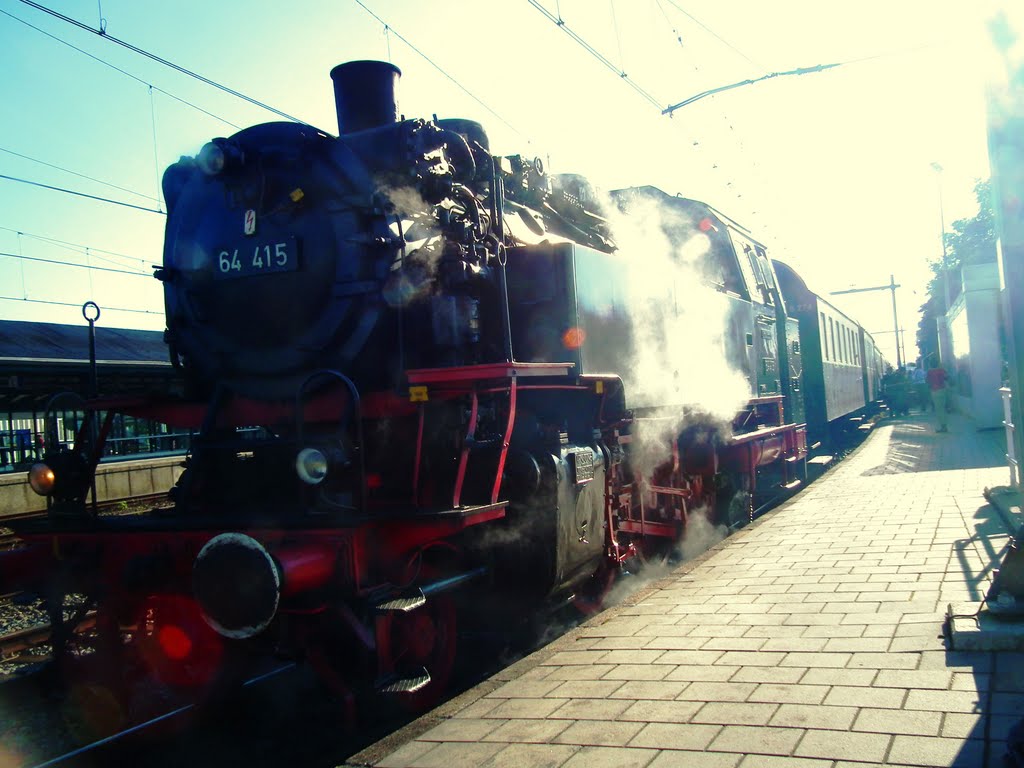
point(813, 638)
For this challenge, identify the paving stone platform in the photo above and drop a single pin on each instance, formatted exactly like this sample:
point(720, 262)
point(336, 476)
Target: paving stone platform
point(811, 639)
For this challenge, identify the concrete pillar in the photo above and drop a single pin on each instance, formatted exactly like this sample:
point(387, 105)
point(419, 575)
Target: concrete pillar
point(1006, 154)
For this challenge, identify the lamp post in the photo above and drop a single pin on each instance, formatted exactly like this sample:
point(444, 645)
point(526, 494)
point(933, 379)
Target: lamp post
point(942, 324)
point(942, 237)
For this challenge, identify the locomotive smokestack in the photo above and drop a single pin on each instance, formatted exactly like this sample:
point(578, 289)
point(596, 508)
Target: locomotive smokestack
point(365, 95)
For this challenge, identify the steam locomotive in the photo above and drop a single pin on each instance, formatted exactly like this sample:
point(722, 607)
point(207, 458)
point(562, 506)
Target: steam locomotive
point(415, 371)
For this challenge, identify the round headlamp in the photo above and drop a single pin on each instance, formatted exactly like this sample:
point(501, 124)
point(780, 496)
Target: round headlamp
point(211, 159)
point(311, 465)
point(42, 479)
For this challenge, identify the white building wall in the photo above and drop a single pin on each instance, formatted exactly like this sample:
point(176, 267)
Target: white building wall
point(975, 337)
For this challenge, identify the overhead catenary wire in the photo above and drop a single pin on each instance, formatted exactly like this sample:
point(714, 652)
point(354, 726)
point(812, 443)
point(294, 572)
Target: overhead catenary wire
point(122, 71)
point(77, 247)
point(160, 60)
point(604, 60)
point(715, 161)
point(78, 305)
point(73, 264)
point(156, 154)
point(76, 173)
point(24, 290)
point(712, 32)
point(82, 194)
point(618, 37)
point(388, 28)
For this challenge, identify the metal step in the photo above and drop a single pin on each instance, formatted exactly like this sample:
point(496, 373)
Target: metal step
point(403, 603)
point(408, 684)
point(791, 485)
point(822, 461)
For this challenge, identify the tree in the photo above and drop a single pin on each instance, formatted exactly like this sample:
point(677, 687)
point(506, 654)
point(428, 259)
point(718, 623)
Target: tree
point(971, 241)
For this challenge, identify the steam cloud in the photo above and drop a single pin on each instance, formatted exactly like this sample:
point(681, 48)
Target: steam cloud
point(701, 535)
point(413, 220)
point(671, 301)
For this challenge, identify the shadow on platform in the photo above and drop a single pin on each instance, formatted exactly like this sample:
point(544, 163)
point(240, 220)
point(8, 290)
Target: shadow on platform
point(914, 445)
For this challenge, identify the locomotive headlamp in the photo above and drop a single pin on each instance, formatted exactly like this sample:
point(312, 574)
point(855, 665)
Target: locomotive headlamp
point(42, 479)
point(218, 156)
point(311, 465)
point(211, 159)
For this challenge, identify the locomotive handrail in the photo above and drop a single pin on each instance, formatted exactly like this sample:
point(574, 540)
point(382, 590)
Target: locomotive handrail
point(355, 413)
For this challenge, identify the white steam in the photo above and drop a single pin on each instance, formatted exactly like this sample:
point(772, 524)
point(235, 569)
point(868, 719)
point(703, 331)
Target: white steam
point(679, 322)
point(701, 534)
point(412, 219)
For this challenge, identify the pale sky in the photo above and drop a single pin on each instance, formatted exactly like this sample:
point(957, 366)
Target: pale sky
point(831, 170)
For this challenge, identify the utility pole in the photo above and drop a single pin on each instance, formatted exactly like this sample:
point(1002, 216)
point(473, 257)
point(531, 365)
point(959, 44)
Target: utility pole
point(942, 239)
point(942, 323)
point(892, 286)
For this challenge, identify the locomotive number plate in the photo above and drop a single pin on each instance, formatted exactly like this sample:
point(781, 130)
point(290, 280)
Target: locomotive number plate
point(257, 258)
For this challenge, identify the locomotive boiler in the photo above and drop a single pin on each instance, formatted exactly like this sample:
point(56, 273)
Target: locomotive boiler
point(421, 376)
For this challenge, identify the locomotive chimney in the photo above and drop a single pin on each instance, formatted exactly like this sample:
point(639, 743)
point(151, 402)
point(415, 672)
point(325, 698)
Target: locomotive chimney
point(365, 95)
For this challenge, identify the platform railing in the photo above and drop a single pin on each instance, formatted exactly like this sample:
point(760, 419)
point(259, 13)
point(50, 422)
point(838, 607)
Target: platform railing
point(18, 455)
point(1011, 454)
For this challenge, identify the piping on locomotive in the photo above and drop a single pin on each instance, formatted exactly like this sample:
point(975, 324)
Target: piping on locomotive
point(438, 347)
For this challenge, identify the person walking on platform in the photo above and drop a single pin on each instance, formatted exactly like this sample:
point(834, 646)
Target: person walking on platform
point(937, 384)
point(921, 392)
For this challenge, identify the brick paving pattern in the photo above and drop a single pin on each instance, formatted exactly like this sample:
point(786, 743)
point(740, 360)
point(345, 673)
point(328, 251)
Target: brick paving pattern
point(813, 639)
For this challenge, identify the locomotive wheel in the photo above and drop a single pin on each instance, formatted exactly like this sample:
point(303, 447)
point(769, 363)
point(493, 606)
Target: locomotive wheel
point(425, 637)
point(592, 597)
point(655, 551)
point(740, 509)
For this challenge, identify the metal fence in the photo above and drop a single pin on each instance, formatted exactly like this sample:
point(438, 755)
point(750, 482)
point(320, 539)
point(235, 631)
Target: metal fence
point(23, 439)
point(1011, 451)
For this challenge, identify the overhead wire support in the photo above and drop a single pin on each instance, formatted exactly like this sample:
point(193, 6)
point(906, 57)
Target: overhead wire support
point(713, 91)
point(159, 60)
point(560, 23)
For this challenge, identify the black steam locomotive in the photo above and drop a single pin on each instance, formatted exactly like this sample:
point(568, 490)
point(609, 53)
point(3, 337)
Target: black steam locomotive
point(416, 369)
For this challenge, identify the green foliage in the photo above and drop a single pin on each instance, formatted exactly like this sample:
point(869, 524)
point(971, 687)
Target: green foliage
point(973, 240)
point(967, 241)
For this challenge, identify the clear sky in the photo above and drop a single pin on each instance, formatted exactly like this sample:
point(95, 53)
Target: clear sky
point(831, 170)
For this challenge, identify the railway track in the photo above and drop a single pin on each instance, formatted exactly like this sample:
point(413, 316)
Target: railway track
point(15, 643)
point(125, 506)
point(280, 716)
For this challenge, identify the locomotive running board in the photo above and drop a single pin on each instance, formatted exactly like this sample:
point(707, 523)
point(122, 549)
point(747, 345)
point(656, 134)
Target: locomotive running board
point(410, 684)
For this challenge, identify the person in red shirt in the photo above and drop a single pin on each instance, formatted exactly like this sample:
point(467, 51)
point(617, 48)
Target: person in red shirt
point(937, 379)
